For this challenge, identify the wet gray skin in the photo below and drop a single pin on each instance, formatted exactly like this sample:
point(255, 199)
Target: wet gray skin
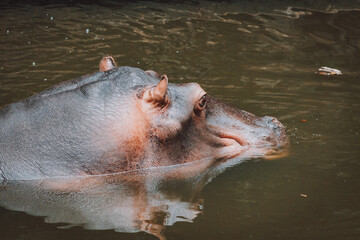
point(124, 120)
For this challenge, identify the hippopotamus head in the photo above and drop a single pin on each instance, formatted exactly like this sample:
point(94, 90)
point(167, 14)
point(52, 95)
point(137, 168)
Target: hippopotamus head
point(181, 123)
point(124, 119)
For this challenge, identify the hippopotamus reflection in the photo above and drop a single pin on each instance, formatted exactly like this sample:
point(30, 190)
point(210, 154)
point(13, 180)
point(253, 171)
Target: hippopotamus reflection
point(125, 119)
point(147, 200)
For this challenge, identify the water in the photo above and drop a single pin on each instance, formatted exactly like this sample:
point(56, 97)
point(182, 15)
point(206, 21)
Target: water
point(260, 57)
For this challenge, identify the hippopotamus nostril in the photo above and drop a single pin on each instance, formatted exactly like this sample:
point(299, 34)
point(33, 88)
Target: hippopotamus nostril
point(274, 125)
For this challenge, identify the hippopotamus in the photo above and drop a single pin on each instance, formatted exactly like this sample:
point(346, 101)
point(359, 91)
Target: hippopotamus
point(123, 119)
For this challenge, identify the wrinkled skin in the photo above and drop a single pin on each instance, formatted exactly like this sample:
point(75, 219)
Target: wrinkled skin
point(125, 119)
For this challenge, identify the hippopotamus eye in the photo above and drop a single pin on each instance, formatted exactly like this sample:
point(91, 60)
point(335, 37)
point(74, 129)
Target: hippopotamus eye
point(202, 102)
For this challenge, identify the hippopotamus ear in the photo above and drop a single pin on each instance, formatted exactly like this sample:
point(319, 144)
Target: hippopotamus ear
point(158, 94)
point(107, 63)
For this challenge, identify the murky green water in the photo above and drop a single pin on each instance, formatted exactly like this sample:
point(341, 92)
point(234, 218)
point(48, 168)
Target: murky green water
point(260, 57)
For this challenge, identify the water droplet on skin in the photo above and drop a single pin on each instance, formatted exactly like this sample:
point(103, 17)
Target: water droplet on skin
point(33, 63)
point(87, 30)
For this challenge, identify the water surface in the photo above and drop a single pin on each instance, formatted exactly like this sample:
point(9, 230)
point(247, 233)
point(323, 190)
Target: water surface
point(261, 57)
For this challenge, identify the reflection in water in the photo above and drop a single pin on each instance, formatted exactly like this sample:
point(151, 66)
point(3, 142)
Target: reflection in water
point(129, 202)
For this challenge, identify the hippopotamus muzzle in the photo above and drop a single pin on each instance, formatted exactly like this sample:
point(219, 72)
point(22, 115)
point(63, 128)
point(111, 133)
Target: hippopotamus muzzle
point(126, 119)
point(251, 136)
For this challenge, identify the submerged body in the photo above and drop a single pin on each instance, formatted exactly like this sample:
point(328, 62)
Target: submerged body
point(124, 119)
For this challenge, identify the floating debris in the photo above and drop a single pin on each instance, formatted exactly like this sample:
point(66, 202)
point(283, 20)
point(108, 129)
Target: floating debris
point(303, 195)
point(7, 31)
point(33, 63)
point(87, 30)
point(51, 18)
point(329, 71)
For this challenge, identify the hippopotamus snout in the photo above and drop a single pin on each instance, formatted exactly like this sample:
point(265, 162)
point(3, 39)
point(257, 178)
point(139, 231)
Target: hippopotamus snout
point(274, 125)
point(278, 136)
